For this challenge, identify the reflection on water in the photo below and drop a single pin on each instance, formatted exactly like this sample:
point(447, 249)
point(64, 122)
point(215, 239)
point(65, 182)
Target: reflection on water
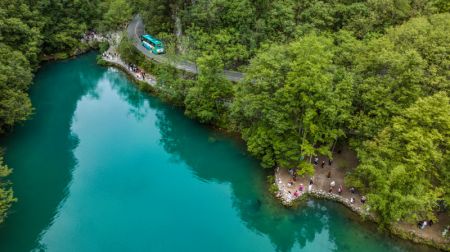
point(103, 167)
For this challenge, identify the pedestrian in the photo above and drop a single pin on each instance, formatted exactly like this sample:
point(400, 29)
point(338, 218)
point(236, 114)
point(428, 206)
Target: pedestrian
point(316, 161)
point(330, 190)
point(301, 188)
point(424, 224)
point(352, 200)
point(330, 161)
point(430, 222)
point(352, 190)
point(329, 174)
point(332, 184)
point(363, 199)
point(323, 163)
point(310, 187)
point(311, 181)
point(419, 224)
point(340, 189)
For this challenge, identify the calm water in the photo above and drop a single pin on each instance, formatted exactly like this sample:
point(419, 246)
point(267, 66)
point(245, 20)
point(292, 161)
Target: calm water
point(104, 167)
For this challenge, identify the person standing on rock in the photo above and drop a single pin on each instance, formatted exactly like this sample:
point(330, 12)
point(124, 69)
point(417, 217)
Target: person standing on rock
point(316, 161)
point(323, 163)
point(340, 189)
point(330, 190)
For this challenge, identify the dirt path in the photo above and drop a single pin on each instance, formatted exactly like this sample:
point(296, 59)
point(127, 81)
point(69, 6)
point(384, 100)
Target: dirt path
point(343, 162)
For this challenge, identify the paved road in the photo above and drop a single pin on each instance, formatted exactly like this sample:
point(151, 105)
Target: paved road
point(136, 28)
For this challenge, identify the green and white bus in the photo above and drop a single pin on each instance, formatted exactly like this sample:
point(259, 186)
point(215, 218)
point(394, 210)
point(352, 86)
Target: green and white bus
point(152, 44)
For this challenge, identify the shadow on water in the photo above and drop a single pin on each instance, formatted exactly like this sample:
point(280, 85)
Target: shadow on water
point(41, 151)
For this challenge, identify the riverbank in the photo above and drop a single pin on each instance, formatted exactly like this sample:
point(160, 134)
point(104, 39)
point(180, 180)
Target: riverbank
point(430, 236)
point(288, 191)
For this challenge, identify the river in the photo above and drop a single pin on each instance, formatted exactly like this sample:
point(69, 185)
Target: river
point(101, 166)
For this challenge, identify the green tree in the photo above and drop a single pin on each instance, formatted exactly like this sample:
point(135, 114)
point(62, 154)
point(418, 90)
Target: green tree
point(405, 170)
point(293, 103)
point(15, 77)
point(393, 71)
point(6, 193)
point(117, 13)
point(208, 97)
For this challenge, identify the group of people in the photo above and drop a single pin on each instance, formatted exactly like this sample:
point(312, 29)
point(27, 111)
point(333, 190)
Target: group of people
point(297, 192)
point(110, 56)
point(140, 75)
point(89, 36)
point(316, 162)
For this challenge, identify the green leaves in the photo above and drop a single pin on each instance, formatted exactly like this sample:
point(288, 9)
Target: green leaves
point(117, 13)
point(6, 193)
point(405, 169)
point(207, 98)
point(288, 107)
point(393, 71)
point(15, 76)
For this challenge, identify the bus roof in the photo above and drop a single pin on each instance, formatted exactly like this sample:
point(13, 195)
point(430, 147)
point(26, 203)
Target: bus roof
point(152, 39)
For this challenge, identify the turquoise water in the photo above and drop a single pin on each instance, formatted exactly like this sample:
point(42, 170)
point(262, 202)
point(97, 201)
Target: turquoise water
point(103, 167)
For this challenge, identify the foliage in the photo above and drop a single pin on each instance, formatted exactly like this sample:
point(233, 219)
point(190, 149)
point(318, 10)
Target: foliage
point(293, 102)
point(128, 51)
point(103, 46)
point(405, 169)
point(15, 76)
point(6, 193)
point(240, 27)
point(116, 14)
point(206, 99)
point(174, 87)
point(394, 70)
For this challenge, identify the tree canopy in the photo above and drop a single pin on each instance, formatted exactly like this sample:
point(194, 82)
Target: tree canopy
point(293, 103)
point(405, 169)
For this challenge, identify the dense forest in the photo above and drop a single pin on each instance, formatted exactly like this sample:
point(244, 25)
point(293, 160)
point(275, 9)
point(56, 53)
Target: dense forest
point(373, 75)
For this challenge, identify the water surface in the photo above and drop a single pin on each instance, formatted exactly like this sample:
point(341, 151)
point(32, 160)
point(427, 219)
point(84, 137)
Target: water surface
point(103, 167)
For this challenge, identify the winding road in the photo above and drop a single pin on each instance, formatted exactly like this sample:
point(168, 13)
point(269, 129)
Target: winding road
point(136, 28)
